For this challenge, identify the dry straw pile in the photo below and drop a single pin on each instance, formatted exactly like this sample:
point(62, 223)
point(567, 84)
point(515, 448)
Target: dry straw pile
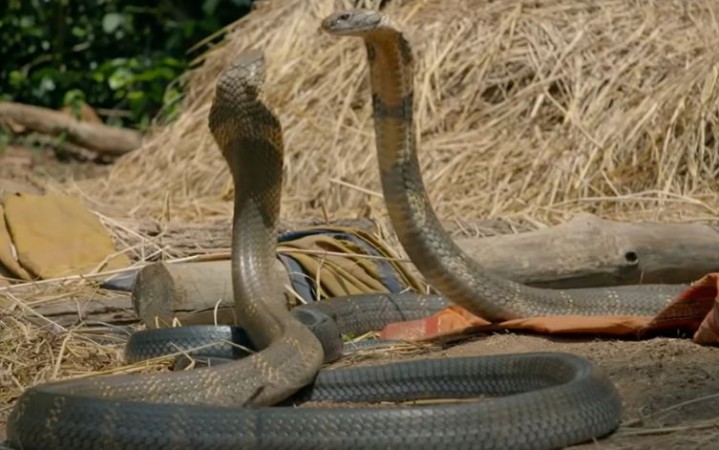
point(526, 109)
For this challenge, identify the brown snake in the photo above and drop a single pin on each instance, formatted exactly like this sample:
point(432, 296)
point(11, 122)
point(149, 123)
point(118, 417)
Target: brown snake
point(444, 265)
point(557, 400)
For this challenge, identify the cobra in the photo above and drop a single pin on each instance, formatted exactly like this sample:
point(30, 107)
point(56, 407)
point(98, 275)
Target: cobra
point(445, 266)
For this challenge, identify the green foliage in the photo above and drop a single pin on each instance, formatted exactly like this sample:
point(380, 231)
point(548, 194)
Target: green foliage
point(114, 54)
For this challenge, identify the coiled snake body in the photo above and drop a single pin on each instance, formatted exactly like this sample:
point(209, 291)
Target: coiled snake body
point(558, 399)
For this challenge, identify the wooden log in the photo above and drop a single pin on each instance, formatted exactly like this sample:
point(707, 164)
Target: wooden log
point(589, 251)
point(586, 251)
point(115, 309)
point(191, 292)
point(110, 141)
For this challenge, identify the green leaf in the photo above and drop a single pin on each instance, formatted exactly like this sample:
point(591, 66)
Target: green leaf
point(79, 32)
point(47, 84)
point(119, 78)
point(16, 78)
point(112, 21)
point(73, 97)
point(136, 95)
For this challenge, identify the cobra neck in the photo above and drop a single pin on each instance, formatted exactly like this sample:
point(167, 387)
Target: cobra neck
point(429, 246)
point(256, 296)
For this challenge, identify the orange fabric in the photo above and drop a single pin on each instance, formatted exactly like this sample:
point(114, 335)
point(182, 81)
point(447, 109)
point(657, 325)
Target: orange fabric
point(453, 320)
point(696, 310)
point(708, 332)
point(688, 311)
point(612, 325)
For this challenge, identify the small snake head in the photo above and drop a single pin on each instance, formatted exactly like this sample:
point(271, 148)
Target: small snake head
point(243, 78)
point(355, 22)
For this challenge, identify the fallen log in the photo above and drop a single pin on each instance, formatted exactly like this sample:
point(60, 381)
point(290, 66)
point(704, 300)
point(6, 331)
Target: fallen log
point(103, 139)
point(589, 251)
point(194, 293)
point(584, 252)
point(115, 309)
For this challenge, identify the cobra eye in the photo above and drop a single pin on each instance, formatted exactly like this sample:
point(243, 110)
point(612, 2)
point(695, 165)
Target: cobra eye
point(343, 17)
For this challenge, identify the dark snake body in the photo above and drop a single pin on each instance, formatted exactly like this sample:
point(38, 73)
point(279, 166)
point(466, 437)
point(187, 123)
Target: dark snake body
point(328, 320)
point(554, 399)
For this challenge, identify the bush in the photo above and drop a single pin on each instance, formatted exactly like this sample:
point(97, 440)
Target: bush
point(115, 54)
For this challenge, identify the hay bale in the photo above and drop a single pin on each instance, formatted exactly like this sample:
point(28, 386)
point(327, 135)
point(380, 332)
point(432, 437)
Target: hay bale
point(525, 109)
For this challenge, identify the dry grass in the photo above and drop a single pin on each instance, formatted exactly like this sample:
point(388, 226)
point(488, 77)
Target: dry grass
point(525, 109)
point(34, 348)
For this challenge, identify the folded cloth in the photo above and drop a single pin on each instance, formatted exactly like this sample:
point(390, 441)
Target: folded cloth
point(9, 267)
point(695, 311)
point(325, 262)
point(53, 236)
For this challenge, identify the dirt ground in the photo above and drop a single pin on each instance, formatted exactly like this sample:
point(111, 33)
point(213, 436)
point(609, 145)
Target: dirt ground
point(654, 378)
point(28, 169)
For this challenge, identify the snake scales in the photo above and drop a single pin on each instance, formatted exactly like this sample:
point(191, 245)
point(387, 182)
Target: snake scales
point(558, 399)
